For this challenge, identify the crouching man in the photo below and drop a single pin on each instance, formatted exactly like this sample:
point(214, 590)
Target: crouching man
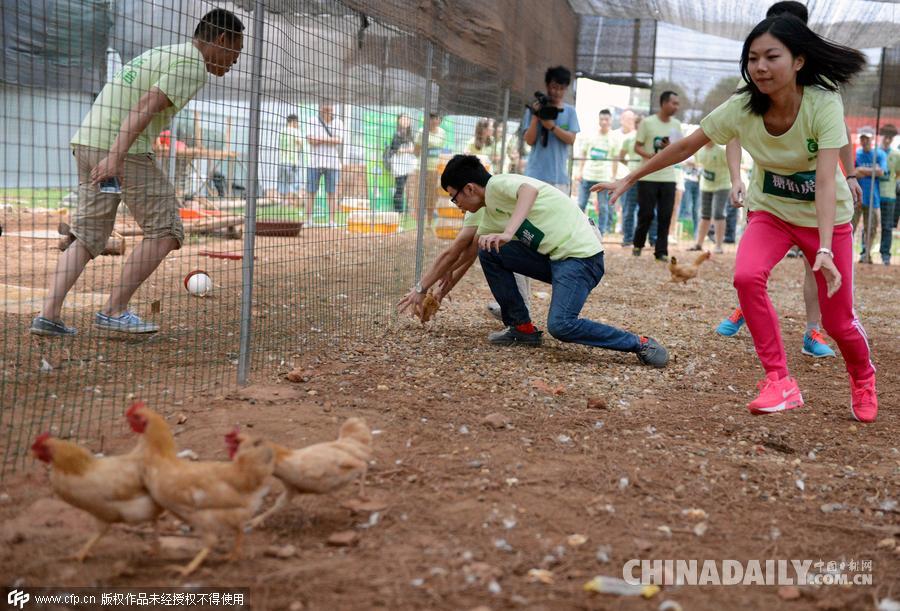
point(516, 224)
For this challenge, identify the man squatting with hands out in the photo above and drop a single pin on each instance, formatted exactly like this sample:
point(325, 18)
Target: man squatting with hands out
point(517, 224)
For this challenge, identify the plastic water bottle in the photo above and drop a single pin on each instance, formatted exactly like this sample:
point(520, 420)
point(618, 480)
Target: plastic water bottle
point(613, 585)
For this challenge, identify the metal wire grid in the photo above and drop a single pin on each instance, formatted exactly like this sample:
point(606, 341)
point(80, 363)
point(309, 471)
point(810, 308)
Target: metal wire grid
point(321, 287)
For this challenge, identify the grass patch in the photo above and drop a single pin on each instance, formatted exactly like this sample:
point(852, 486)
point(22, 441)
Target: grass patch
point(32, 198)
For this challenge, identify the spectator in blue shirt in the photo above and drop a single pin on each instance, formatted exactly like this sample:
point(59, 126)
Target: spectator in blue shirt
point(551, 139)
point(871, 164)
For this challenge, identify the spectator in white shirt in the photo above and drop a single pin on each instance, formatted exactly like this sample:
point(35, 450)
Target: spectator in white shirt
point(325, 137)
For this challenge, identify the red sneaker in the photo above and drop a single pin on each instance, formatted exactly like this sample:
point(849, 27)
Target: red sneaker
point(864, 399)
point(776, 395)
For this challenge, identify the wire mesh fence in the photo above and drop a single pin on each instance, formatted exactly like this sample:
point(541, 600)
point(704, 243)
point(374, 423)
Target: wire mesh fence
point(297, 191)
point(301, 186)
point(703, 70)
point(702, 84)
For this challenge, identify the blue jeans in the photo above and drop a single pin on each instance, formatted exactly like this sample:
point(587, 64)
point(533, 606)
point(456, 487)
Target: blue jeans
point(606, 216)
point(572, 279)
point(690, 203)
point(605, 213)
point(288, 179)
point(314, 176)
point(887, 227)
point(731, 216)
point(584, 193)
point(629, 215)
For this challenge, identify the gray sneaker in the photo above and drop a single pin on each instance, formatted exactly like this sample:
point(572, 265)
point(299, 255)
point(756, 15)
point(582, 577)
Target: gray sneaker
point(50, 328)
point(494, 308)
point(510, 336)
point(127, 322)
point(652, 353)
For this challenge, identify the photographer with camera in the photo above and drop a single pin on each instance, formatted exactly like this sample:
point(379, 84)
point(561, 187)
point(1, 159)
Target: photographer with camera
point(550, 127)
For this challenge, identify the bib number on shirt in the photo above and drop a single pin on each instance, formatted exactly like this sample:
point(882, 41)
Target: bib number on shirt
point(709, 175)
point(530, 235)
point(598, 154)
point(800, 186)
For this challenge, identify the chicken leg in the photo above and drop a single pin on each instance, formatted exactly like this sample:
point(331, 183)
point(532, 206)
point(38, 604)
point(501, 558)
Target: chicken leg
point(284, 500)
point(236, 550)
point(102, 528)
point(196, 562)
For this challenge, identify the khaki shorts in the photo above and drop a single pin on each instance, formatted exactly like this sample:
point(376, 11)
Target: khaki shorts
point(145, 190)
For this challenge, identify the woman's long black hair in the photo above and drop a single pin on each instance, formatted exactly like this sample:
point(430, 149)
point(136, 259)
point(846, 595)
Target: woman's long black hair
point(403, 135)
point(827, 64)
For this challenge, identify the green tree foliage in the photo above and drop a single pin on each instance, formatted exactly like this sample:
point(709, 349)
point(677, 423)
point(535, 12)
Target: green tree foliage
point(665, 85)
point(720, 92)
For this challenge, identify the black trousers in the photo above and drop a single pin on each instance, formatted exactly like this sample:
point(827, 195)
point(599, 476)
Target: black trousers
point(658, 196)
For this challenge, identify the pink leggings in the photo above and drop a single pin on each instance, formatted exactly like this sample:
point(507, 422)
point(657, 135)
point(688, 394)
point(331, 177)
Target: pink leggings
point(764, 243)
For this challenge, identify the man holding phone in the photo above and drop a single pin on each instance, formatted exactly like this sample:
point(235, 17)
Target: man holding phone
point(656, 192)
point(113, 151)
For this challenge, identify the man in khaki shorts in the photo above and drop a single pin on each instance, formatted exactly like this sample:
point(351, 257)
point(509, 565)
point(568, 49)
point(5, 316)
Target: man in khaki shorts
point(112, 149)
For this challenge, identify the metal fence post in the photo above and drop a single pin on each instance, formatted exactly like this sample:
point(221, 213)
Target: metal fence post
point(252, 191)
point(504, 129)
point(423, 164)
point(868, 236)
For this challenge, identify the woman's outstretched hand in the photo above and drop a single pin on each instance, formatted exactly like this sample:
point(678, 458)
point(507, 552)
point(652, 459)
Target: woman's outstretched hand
point(616, 189)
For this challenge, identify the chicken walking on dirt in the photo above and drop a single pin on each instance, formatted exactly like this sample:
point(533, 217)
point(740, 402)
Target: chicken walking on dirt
point(683, 273)
point(212, 497)
point(108, 488)
point(317, 469)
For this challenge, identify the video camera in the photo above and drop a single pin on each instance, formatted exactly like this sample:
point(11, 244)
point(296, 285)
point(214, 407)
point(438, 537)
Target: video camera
point(546, 111)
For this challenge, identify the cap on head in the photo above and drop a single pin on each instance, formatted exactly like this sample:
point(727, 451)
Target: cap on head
point(866, 132)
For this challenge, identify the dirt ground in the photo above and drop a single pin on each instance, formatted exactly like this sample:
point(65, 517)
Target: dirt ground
point(584, 442)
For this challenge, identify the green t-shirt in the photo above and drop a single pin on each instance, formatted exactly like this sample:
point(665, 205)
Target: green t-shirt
point(554, 227)
point(887, 186)
point(653, 133)
point(177, 70)
point(473, 219)
point(289, 145)
point(783, 181)
point(436, 141)
point(632, 159)
point(714, 168)
point(598, 150)
point(472, 148)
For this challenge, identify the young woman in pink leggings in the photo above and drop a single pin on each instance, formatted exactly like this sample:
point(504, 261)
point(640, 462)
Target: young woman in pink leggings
point(790, 118)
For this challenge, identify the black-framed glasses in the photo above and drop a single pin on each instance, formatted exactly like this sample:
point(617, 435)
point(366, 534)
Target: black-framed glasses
point(458, 191)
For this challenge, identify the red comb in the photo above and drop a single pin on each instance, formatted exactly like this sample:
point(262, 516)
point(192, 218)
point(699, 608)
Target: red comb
point(40, 439)
point(232, 442)
point(134, 407)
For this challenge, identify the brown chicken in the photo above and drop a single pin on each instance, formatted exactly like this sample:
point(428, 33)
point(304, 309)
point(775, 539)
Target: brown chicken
point(683, 273)
point(108, 488)
point(430, 306)
point(317, 469)
point(213, 497)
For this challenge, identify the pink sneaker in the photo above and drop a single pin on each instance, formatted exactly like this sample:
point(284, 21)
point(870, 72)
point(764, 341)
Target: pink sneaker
point(776, 395)
point(864, 399)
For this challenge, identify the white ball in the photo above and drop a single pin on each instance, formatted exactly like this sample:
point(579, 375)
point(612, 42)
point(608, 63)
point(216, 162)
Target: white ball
point(199, 285)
